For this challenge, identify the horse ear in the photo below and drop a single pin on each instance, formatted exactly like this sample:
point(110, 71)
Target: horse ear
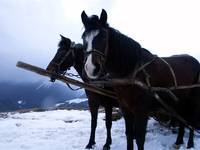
point(84, 18)
point(103, 17)
point(62, 37)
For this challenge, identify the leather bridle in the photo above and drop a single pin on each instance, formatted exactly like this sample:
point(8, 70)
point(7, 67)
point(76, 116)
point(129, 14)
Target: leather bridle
point(103, 56)
point(71, 51)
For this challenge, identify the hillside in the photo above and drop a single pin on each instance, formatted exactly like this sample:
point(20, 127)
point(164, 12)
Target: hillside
point(23, 95)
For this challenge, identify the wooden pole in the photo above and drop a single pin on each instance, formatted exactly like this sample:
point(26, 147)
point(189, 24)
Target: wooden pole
point(65, 79)
point(129, 82)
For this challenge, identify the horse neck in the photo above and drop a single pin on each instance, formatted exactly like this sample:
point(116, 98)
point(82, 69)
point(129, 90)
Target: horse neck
point(79, 59)
point(146, 56)
point(123, 52)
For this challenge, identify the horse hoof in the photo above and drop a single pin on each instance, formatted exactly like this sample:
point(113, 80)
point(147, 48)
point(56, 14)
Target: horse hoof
point(106, 148)
point(190, 146)
point(90, 146)
point(175, 146)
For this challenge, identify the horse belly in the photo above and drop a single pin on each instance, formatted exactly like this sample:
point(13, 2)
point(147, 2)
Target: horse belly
point(134, 99)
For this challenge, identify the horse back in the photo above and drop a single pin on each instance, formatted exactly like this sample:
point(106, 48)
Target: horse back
point(185, 67)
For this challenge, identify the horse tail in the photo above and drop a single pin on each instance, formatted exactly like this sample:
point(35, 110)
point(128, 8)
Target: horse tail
point(197, 103)
point(198, 79)
point(197, 66)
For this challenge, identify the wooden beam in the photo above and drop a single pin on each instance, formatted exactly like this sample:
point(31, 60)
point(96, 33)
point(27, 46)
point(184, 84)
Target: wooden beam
point(65, 79)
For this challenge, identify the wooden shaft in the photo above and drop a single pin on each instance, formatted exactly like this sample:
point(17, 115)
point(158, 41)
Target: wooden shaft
point(65, 79)
point(126, 82)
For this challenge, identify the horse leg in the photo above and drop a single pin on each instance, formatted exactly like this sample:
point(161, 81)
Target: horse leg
point(94, 115)
point(108, 110)
point(140, 129)
point(129, 122)
point(190, 143)
point(179, 139)
point(194, 115)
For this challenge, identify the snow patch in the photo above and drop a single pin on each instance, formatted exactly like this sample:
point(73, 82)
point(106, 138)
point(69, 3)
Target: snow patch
point(77, 100)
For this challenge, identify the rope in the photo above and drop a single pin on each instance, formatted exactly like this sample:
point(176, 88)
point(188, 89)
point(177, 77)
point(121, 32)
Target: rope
point(72, 75)
point(69, 86)
point(171, 70)
point(142, 67)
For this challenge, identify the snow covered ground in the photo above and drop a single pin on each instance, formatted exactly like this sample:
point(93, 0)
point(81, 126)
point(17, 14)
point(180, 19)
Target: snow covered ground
point(77, 100)
point(69, 130)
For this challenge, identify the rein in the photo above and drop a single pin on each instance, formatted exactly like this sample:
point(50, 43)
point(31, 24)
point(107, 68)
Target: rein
point(96, 52)
point(69, 86)
point(71, 50)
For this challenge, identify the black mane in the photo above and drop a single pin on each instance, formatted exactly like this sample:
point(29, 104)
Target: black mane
point(124, 52)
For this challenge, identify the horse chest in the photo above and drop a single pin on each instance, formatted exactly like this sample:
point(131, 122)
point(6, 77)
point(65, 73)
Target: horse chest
point(132, 98)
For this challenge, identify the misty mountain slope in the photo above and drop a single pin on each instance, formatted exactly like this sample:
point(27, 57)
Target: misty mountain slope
point(25, 95)
point(69, 130)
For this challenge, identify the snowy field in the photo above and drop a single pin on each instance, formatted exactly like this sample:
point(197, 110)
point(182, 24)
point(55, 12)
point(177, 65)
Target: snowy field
point(69, 130)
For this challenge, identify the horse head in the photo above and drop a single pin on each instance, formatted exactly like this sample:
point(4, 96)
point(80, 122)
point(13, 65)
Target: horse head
point(63, 59)
point(95, 40)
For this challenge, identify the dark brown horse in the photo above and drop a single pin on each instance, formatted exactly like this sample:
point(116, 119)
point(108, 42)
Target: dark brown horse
point(69, 55)
point(120, 56)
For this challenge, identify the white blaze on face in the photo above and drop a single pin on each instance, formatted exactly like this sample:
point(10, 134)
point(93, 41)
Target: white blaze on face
point(89, 66)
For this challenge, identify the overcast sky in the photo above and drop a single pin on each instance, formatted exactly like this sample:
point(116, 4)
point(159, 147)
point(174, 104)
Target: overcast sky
point(29, 29)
